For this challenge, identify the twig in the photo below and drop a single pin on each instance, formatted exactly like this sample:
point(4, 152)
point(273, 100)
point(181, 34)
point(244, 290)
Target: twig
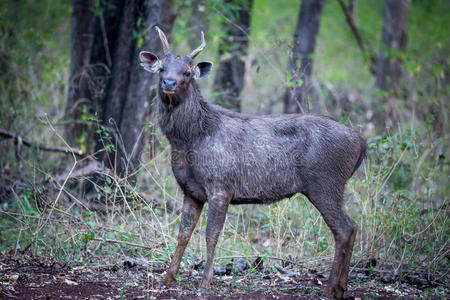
point(256, 256)
point(372, 270)
point(8, 213)
point(129, 244)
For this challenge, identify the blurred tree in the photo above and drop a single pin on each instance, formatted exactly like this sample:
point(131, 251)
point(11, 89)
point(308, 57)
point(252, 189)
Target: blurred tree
point(394, 41)
point(197, 22)
point(137, 107)
point(300, 66)
point(83, 20)
point(106, 79)
point(229, 81)
point(389, 72)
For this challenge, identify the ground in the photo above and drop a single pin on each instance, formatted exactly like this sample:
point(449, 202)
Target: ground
point(32, 279)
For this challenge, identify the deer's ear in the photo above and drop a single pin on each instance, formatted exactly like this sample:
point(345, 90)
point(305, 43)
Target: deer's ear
point(203, 69)
point(149, 61)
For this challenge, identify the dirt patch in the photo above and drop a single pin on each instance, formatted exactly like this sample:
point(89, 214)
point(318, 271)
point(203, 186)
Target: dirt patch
point(33, 280)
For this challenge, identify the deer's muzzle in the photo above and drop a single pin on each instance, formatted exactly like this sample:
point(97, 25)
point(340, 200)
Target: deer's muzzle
point(169, 85)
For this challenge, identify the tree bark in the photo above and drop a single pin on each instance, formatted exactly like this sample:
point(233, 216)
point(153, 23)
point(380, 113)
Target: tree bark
point(300, 66)
point(117, 88)
point(142, 85)
point(230, 74)
point(388, 81)
point(83, 24)
point(394, 40)
point(94, 34)
point(121, 66)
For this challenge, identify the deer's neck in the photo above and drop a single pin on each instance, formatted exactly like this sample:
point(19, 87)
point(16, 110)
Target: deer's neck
point(188, 118)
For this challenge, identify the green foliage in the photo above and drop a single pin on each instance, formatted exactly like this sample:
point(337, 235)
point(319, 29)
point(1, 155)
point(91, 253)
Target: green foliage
point(402, 199)
point(34, 50)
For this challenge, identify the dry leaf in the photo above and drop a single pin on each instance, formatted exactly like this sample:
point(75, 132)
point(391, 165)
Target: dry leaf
point(70, 282)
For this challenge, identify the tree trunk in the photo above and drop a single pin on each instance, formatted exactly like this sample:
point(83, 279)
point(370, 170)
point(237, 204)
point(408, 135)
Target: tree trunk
point(83, 24)
point(389, 73)
point(229, 81)
point(114, 85)
point(394, 40)
point(143, 84)
point(93, 38)
point(299, 85)
point(197, 22)
point(121, 66)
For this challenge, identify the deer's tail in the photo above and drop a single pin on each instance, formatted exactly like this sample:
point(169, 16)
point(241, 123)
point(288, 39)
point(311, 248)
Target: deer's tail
point(362, 153)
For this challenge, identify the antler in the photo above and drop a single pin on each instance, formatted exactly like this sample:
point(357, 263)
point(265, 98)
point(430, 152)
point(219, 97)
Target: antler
point(163, 38)
point(199, 49)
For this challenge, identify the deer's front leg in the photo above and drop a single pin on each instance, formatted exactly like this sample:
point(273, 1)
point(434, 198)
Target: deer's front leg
point(189, 217)
point(217, 211)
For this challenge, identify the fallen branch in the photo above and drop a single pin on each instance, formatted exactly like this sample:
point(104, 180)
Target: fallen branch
point(19, 140)
point(93, 166)
point(256, 256)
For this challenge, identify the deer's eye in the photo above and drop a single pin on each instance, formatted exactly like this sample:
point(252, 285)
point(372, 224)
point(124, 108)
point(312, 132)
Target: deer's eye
point(161, 70)
point(187, 74)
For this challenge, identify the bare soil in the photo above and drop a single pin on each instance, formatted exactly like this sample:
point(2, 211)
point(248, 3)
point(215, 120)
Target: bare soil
point(32, 279)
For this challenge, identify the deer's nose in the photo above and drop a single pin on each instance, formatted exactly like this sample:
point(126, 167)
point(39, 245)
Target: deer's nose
point(169, 84)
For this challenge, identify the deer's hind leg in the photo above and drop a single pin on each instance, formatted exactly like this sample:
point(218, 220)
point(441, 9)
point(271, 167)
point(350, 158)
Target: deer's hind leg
point(329, 201)
point(189, 217)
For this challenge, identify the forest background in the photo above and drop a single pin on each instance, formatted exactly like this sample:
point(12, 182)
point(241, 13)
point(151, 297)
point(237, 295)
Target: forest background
point(85, 171)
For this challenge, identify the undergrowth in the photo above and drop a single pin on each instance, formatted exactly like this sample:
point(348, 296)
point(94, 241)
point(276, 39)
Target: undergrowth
point(398, 198)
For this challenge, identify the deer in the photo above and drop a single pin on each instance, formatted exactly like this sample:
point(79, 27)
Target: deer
point(224, 158)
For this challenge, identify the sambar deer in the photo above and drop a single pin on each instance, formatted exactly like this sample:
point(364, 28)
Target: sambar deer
point(223, 157)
